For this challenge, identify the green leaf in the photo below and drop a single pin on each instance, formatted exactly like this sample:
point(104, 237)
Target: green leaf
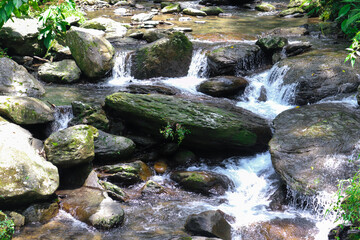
point(18, 3)
point(344, 10)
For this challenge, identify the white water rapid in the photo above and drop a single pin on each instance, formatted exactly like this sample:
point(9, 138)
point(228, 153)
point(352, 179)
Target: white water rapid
point(63, 115)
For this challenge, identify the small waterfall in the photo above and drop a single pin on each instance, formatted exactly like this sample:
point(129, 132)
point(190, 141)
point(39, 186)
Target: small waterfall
point(198, 65)
point(122, 69)
point(266, 94)
point(63, 116)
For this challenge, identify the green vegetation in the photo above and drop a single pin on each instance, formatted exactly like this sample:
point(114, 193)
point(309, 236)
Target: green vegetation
point(175, 131)
point(7, 227)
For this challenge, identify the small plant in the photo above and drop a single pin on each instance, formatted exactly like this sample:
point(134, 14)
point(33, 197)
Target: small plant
point(3, 53)
point(7, 227)
point(173, 131)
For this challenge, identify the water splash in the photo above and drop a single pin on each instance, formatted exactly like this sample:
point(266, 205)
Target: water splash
point(63, 115)
point(122, 69)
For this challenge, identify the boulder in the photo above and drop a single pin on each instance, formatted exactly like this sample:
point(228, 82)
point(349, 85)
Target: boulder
point(272, 43)
point(153, 34)
point(152, 187)
point(25, 110)
point(317, 78)
point(41, 213)
point(75, 176)
point(65, 71)
point(160, 167)
point(296, 48)
point(111, 28)
point(312, 145)
point(109, 147)
point(209, 224)
point(291, 11)
point(193, 12)
point(183, 157)
point(142, 17)
point(109, 215)
point(223, 86)
point(92, 52)
point(204, 182)
point(288, 32)
point(236, 130)
point(17, 218)
point(25, 176)
point(226, 2)
point(265, 7)
point(237, 59)
point(16, 81)
point(20, 37)
point(212, 10)
point(148, 89)
point(126, 173)
point(166, 57)
point(71, 146)
point(114, 191)
point(171, 8)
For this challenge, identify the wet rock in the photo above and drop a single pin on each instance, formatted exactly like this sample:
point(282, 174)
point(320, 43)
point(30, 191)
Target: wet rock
point(16, 81)
point(60, 52)
point(126, 173)
point(272, 44)
point(185, 19)
point(237, 59)
point(171, 8)
point(90, 114)
point(316, 77)
point(169, 149)
point(76, 176)
point(109, 215)
point(202, 182)
point(288, 32)
point(312, 145)
point(25, 176)
point(150, 89)
point(278, 200)
point(193, 12)
point(294, 49)
point(183, 157)
point(294, 228)
point(142, 17)
point(92, 52)
point(41, 213)
point(291, 11)
point(151, 187)
point(112, 28)
point(25, 110)
point(212, 10)
point(166, 57)
point(209, 224)
point(153, 35)
point(265, 7)
point(182, 29)
point(114, 191)
point(71, 146)
point(137, 35)
point(234, 130)
point(20, 37)
point(224, 86)
point(358, 96)
point(17, 218)
point(226, 2)
point(109, 147)
point(160, 167)
point(263, 95)
point(65, 71)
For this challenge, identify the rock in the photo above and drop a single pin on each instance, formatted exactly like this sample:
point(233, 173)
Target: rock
point(112, 28)
point(153, 35)
point(25, 110)
point(182, 29)
point(92, 52)
point(41, 213)
point(16, 81)
point(344, 231)
point(151, 187)
point(358, 96)
point(194, 12)
point(171, 8)
point(183, 157)
point(166, 57)
point(115, 192)
point(25, 176)
point(294, 49)
point(17, 218)
point(60, 52)
point(75, 176)
point(142, 17)
point(278, 200)
point(272, 44)
point(236, 130)
point(20, 37)
point(209, 224)
point(291, 11)
point(237, 59)
point(71, 146)
point(185, 19)
point(223, 86)
point(226, 2)
point(169, 149)
point(265, 7)
point(288, 32)
point(317, 78)
point(312, 145)
point(126, 173)
point(109, 215)
point(65, 71)
point(110, 147)
point(263, 94)
point(160, 167)
point(202, 182)
point(149, 89)
point(212, 10)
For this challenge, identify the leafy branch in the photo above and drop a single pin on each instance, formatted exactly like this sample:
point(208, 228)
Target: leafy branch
point(173, 131)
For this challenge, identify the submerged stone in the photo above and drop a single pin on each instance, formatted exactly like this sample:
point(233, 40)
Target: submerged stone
point(223, 86)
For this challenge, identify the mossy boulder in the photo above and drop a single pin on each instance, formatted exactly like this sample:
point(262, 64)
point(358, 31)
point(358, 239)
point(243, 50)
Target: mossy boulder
point(41, 212)
point(25, 110)
point(25, 176)
point(272, 44)
point(90, 114)
point(16, 81)
point(65, 71)
point(265, 7)
point(238, 59)
point(171, 8)
point(92, 52)
point(212, 10)
point(110, 214)
point(313, 146)
point(152, 187)
point(71, 146)
point(113, 29)
point(109, 147)
point(114, 191)
point(193, 12)
point(227, 2)
point(204, 182)
point(166, 57)
point(224, 86)
point(291, 11)
point(211, 128)
point(288, 32)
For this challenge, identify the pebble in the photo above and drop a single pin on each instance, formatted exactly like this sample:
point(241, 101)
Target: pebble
point(200, 22)
point(184, 19)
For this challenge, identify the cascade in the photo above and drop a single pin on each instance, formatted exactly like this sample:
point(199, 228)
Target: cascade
point(198, 65)
point(63, 115)
point(122, 69)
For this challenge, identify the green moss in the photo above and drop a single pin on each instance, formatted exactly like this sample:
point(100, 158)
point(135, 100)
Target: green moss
point(195, 177)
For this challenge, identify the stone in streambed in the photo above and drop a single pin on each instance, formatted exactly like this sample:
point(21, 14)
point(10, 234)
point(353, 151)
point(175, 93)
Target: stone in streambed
point(171, 8)
point(109, 215)
point(142, 17)
point(151, 187)
point(65, 71)
point(291, 11)
point(211, 128)
point(41, 213)
point(148, 89)
point(272, 44)
point(223, 86)
point(114, 191)
point(312, 145)
point(194, 12)
point(212, 10)
point(265, 7)
point(112, 28)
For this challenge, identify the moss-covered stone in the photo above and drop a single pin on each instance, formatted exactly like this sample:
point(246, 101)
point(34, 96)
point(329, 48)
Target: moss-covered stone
point(171, 8)
point(166, 57)
point(212, 10)
point(271, 44)
point(211, 128)
point(114, 191)
point(265, 7)
point(109, 215)
point(193, 12)
point(65, 71)
point(291, 11)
